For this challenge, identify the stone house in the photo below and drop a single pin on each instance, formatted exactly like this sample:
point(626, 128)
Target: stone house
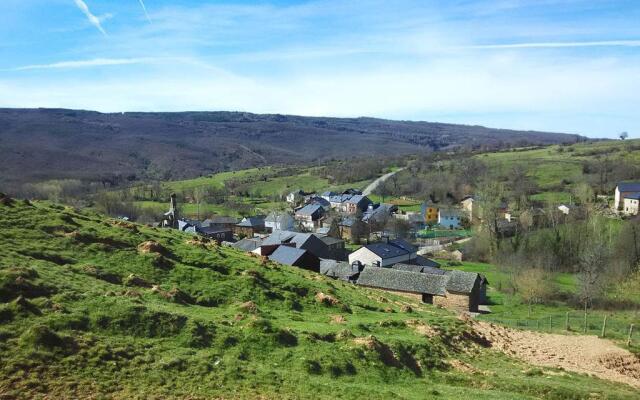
point(455, 290)
point(220, 222)
point(249, 226)
point(310, 216)
point(279, 221)
point(289, 255)
point(356, 203)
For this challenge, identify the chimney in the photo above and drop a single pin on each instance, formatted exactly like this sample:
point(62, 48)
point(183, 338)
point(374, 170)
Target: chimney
point(385, 239)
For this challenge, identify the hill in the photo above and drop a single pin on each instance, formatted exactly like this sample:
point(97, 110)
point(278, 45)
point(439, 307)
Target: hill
point(99, 308)
point(41, 144)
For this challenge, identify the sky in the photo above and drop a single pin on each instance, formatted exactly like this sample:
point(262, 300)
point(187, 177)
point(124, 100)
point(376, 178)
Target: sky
point(565, 66)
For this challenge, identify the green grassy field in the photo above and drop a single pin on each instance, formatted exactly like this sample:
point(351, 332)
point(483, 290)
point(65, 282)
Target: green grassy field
point(552, 165)
point(509, 309)
point(263, 188)
point(97, 308)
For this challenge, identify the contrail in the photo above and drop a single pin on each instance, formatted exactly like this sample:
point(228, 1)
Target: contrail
point(603, 43)
point(92, 18)
point(144, 8)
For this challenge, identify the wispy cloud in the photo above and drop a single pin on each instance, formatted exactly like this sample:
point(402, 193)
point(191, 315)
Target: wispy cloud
point(95, 21)
point(96, 62)
point(144, 8)
point(603, 43)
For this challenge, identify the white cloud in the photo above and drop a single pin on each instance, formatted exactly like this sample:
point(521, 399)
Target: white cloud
point(95, 21)
point(602, 43)
point(96, 62)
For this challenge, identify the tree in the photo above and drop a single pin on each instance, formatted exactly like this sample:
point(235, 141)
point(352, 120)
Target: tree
point(624, 135)
point(534, 285)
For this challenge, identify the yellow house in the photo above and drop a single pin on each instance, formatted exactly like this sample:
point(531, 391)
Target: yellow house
point(430, 213)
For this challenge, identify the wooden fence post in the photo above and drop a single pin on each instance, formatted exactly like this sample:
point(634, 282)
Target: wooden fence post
point(585, 323)
point(630, 334)
point(604, 326)
point(566, 322)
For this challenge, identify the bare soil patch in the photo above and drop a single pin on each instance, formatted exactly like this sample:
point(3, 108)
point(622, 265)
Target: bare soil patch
point(583, 354)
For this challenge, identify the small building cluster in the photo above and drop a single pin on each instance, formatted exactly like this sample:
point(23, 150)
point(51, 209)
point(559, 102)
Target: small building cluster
point(313, 238)
point(627, 198)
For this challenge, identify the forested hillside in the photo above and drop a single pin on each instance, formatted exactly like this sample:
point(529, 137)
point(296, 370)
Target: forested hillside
point(43, 144)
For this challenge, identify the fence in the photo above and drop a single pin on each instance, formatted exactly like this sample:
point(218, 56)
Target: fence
point(607, 326)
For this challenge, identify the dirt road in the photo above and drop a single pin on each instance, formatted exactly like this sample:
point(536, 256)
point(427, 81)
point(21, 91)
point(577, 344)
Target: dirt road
point(373, 185)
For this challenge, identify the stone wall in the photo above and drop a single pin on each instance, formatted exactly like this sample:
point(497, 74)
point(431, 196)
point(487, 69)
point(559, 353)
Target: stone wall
point(453, 301)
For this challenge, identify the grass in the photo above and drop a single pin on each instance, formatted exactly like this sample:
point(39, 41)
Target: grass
point(93, 307)
point(509, 309)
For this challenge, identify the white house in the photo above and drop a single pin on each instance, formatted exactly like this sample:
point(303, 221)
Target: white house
point(630, 204)
point(449, 218)
point(279, 221)
point(384, 254)
point(623, 190)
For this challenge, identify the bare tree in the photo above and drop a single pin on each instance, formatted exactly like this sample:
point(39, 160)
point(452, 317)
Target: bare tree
point(624, 135)
point(534, 285)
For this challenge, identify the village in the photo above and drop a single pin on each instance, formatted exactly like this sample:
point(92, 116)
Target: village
point(346, 236)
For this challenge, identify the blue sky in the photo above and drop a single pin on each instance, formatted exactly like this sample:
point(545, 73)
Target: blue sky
point(569, 66)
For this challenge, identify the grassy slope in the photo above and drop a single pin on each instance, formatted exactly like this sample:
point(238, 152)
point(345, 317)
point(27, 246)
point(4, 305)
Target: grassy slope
point(74, 324)
point(549, 167)
point(509, 308)
point(260, 190)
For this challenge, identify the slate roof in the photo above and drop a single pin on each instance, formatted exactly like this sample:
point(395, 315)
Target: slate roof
point(357, 199)
point(219, 221)
point(633, 196)
point(629, 186)
point(461, 281)
point(418, 268)
point(338, 269)
point(246, 244)
point(405, 281)
point(340, 198)
point(328, 240)
point(278, 217)
point(305, 241)
point(425, 262)
point(287, 255)
point(309, 210)
point(319, 201)
point(251, 222)
point(394, 248)
point(347, 222)
point(209, 230)
point(403, 244)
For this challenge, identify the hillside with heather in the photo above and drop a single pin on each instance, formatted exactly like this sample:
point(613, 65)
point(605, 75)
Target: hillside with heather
point(41, 144)
point(100, 308)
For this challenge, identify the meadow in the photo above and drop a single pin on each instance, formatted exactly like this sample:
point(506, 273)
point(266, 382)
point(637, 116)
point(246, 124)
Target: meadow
point(96, 307)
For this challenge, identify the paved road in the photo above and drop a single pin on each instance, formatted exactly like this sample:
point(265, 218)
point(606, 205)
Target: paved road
point(373, 185)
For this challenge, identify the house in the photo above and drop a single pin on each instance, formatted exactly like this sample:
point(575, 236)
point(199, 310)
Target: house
point(289, 255)
point(340, 270)
point(336, 247)
point(385, 253)
point(378, 213)
point(630, 204)
point(221, 222)
point(328, 195)
point(310, 216)
point(449, 218)
point(247, 244)
point(320, 201)
point(455, 290)
point(249, 226)
point(297, 197)
point(345, 227)
point(305, 241)
point(419, 286)
point(468, 208)
point(429, 212)
point(215, 233)
point(356, 203)
point(279, 221)
point(624, 189)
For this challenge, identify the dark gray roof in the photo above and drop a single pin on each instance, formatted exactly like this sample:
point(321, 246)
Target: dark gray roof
point(358, 199)
point(219, 220)
point(319, 201)
point(328, 240)
point(210, 230)
point(252, 222)
point(407, 267)
point(394, 248)
point(246, 244)
point(338, 269)
point(287, 255)
point(629, 186)
point(347, 222)
point(461, 281)
point(425, 262)
point(414, 282)
point(633, 196)
point(309, 209)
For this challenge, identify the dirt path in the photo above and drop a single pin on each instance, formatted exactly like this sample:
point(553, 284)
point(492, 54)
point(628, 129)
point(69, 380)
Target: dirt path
point(373, 185)
point(577, 353)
